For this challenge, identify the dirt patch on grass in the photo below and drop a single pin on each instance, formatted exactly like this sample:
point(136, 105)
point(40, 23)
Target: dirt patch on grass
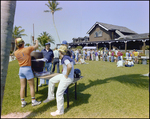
point(16, 115)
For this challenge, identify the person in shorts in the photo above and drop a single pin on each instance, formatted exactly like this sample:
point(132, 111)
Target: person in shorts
point(25, 72)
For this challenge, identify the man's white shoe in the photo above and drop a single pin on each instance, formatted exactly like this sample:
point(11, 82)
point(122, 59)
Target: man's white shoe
point(56, 113)
point(48, 100)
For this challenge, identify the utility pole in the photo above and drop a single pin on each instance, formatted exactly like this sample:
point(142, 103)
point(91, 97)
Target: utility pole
point(33, 36)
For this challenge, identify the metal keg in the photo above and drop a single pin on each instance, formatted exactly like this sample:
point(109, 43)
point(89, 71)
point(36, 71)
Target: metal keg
point(37, 65)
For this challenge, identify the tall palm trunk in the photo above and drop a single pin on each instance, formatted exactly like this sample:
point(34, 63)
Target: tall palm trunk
point(55, 27)
point(7, 20)
point(14, 49)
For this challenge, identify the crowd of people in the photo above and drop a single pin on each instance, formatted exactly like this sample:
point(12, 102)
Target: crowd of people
point(103, 55)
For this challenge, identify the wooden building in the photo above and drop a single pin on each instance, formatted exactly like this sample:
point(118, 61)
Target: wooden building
point(108, 35)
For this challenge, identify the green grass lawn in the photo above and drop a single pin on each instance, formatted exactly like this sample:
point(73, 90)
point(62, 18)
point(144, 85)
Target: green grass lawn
point(105, 91)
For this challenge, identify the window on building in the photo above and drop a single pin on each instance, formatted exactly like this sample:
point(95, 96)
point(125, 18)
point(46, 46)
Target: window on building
point(98, 33)
point(86, 40)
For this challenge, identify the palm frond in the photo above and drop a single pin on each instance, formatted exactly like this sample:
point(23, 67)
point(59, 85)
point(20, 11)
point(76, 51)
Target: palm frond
point(46, 11)
point(44, 37)
point(47, 5)
point(18, 33)
point(58, 9)
point(23, 34)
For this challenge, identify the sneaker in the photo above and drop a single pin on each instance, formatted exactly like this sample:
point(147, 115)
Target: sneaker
point(23, 103)
point(56, 113)
point(145, 74)
point(48, 100)
point(34, 103)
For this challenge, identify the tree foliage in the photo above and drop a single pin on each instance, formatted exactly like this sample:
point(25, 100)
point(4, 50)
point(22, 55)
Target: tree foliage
point(53, 6)
point(17, 32)
point(45, 38)
point(79, 47)
point(27, 44)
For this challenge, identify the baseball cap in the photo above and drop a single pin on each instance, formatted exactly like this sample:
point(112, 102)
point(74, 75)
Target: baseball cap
point(64, 42)
point(19, 41)
point(62, 49)
point(47, 44)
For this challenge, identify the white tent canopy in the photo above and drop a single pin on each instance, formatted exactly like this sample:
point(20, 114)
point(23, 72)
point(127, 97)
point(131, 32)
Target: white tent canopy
point(92, 47)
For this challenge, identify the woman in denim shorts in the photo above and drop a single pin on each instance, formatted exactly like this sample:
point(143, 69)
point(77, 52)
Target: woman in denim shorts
point(25, 72)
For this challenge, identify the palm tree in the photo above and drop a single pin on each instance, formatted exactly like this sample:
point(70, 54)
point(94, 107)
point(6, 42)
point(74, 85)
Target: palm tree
point(53, 8)
point(7, 21)
point(45, 38)
point(17, 33)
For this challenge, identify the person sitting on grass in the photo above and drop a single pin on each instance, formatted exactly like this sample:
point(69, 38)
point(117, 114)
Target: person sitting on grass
point(82, 61)
point(120, 63)
point(129, 63)
point(25, 71)
point(64, 80)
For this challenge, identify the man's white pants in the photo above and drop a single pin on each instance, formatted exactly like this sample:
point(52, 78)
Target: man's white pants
point(97, 58)
point(92, 57)
point(63, 84)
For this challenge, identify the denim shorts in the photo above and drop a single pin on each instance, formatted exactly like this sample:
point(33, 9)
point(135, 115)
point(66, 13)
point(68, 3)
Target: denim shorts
point(26, 72)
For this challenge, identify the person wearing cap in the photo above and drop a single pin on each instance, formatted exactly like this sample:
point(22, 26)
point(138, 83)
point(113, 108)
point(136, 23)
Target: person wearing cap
point(48, 54)
point(126, 62)
point(68, 53)
point(56, 60)
point(22, 54)
point(136, 54)
point(64, 80)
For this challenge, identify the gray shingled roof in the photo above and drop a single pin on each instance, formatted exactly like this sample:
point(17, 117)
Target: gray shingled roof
point(113, 27)
point(140, 36)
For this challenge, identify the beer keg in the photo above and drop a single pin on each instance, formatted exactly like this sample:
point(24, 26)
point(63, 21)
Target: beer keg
point(37, 65)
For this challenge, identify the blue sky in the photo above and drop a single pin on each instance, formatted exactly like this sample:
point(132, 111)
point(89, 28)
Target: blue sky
point(77, 17)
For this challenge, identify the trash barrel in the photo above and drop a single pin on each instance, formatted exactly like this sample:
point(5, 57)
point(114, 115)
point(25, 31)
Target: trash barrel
point(144, 61)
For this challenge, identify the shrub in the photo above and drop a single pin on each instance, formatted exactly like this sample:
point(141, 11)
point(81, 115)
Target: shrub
point(79, 47)
point(101, 48)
